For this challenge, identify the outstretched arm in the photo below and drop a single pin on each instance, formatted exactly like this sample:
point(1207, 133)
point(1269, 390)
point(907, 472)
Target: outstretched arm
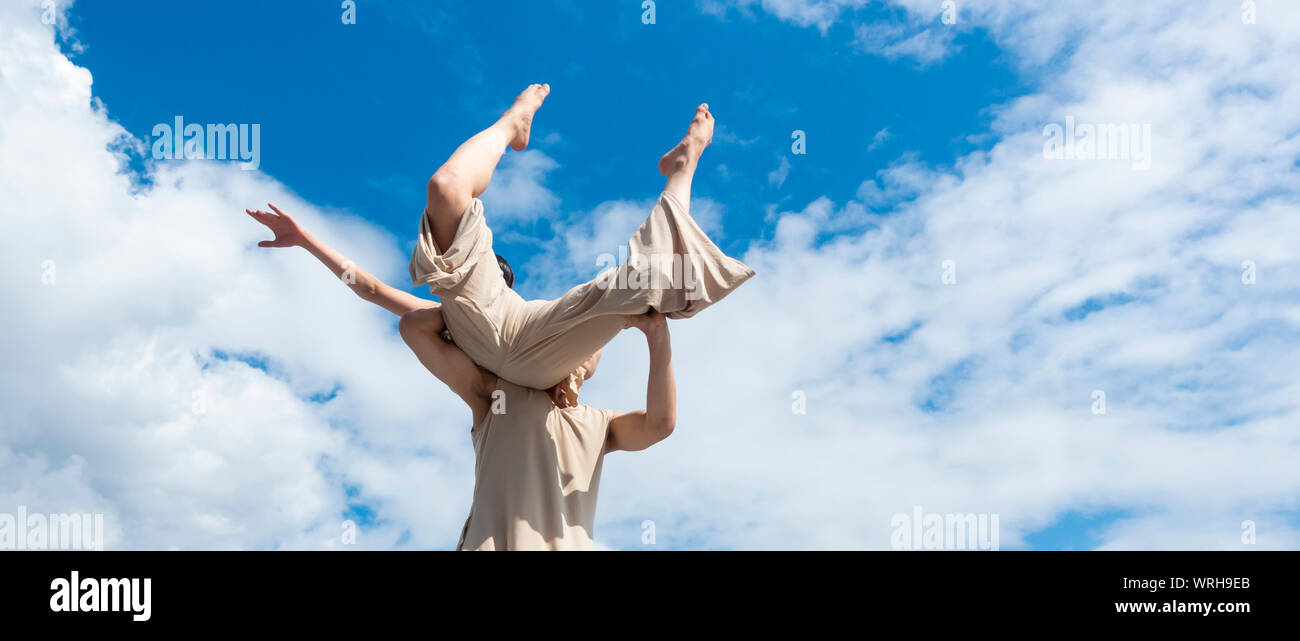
point(422, 331)
point(421, 323)
point(640, 429)
point(288, 233)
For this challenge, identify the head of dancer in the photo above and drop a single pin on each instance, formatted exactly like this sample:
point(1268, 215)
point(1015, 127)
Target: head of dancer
point(506, 272)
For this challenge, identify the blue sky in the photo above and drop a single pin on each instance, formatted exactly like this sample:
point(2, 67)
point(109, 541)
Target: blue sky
point(356, 117)
point(1171, 289)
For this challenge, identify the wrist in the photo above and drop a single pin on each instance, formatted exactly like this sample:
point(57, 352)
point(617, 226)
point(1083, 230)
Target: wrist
point(657, 333)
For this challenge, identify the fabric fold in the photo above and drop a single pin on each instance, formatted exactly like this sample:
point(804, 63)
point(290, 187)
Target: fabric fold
point(447, 270)
point(672, 267)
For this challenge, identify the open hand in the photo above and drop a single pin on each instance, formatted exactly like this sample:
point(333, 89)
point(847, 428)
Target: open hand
point(286, 229)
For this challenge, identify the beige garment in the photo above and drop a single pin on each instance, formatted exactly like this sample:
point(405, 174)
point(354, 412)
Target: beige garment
point(537, 343)
point(536, 472)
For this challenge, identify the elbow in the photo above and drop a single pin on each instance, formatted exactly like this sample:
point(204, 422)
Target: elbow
point(367, 291)
point(662, 427)
point(365, 286)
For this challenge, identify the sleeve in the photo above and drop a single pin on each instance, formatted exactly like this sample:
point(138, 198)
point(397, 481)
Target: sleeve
point(453, 269)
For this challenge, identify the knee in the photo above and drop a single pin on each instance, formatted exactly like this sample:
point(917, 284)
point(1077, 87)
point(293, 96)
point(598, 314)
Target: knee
point(426, 320)
point(447, 191)
point(411, 323)
point(406, 325)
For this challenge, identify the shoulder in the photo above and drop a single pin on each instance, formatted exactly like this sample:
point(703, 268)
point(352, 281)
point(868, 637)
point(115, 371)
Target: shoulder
point(598, 420)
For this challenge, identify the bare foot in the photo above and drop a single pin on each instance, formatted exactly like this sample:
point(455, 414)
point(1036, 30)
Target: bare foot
point(698, 136)
point(519, 118)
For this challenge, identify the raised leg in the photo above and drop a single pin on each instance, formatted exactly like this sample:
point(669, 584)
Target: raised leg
point(680, 162)
point(468, 171)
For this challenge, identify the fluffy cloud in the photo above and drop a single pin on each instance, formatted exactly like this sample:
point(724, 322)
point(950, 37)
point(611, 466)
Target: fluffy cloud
point(164, 371)
point(1071, 277)
point(805, 13)
point(518, 191)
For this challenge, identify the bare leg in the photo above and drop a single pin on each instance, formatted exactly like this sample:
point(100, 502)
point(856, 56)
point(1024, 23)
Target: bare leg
point(679, 163)
point(422, 331)
point(468, 171)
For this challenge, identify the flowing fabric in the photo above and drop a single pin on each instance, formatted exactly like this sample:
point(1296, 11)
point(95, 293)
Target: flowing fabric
point(672, 267)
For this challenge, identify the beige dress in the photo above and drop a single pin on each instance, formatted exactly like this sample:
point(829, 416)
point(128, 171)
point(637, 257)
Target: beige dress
point(536, 472)
point(672, 267)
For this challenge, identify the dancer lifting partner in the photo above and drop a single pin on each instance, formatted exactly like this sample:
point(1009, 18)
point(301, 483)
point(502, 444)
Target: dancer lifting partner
point(538, 456)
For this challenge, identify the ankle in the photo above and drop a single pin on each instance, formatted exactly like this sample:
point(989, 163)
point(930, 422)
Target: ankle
point(680, 162)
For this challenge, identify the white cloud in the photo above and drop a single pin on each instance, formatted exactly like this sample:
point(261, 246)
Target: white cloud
point(1072, 277)
point(115, 396)
point(921, 36)
point(518, 191)
point(892, 41)
point(879, 139)
point(805, 13)
point(725, 135)
point(777, 176)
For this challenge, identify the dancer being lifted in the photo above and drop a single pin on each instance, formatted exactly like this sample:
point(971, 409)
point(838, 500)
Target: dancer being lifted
point(673, 267)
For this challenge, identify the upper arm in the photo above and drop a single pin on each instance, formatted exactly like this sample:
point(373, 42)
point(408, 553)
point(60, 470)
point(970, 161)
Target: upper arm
point(630, 431)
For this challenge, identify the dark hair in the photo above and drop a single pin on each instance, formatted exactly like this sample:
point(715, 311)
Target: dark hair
point(506, 272)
